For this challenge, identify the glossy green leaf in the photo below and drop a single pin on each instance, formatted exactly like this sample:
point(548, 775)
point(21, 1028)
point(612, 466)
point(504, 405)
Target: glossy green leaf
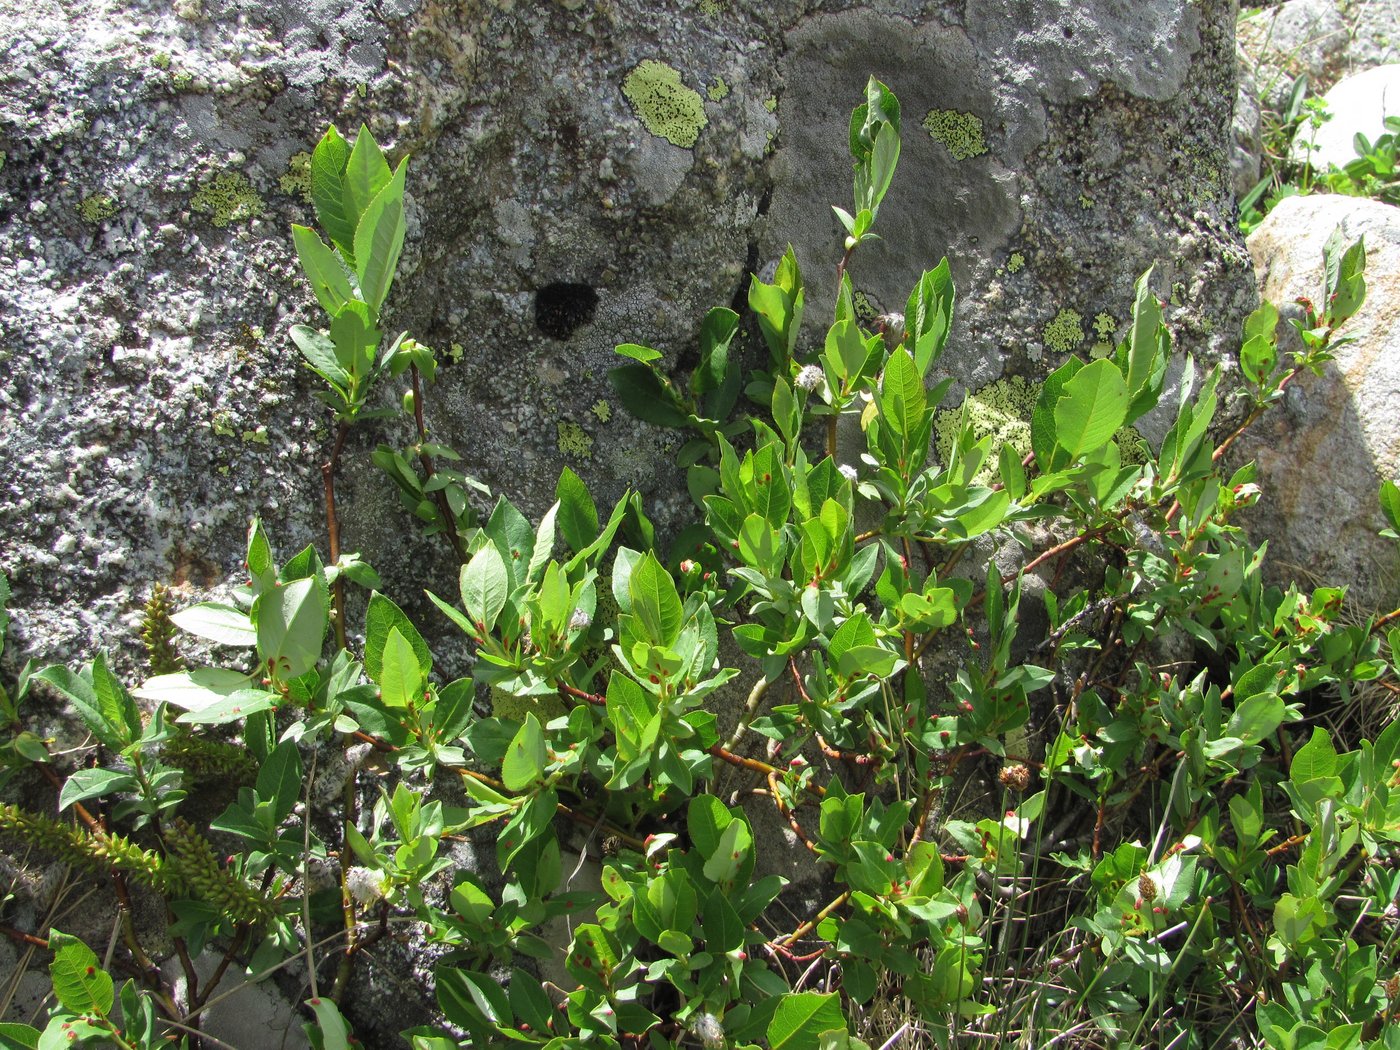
point(323, 269)
point(221, 624)
point(401, 678)
point(655, 601)
point(524, 763)
point(366, 173)
point(484, 586)
point(801, 1018)
point(636, 352)
point(328, 162)
point(578, 514)
point(1092, 408)
point(379, 239)
point(79, 982)
point(291, 623)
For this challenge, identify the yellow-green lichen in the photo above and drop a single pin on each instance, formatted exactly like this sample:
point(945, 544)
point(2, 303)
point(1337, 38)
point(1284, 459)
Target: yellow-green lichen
point(515, 708)
point(718, 91)
point(1016, 263)
point(160, 60)
point(960, 133)
point(866, 311)
point(97, 208)
point(667, 107)
point(182, 80)
point(709, 8)
point(1086, 202)
point(771, 103)
point(1001, 410)
point(603, 411)
point(1104, 327)
point(255, 437)
point(1064, 334)
point(222, 424)
point(574, 441)
point(296, 180)
point(226, 198)
point(455, 352)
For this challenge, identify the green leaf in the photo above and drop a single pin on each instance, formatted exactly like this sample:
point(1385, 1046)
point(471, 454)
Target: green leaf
point(484, 585)
point(1390, 503)
point(381, 617)
point(366, 173)
point(643, 395)
point(331, 1031)
point(16, 1036)
point(232, 708)
point(79, 982)
point(802, 1017)
point(474, 1001)
point(221, 624)
point(1315, 760)
point(524, 763)
point(379, 239)
point(706, 819)
point(328, 163)
point(928, 316)
point(1344, 280)
point(319, 351)
point(93, 783)
point(1048, 456)
point(654, 601)
point(323, 269)
point(80, 693)
point(716, 333)
point(291, 622)
point(636, 352)
point(735, 842)
point(279, 780)
point(1148, 345)
point(1092, 408)
point(902, 397)
point(192, 690)
point(1257, 717)
point(578, 514)
point(401, 678)
point(354, 337)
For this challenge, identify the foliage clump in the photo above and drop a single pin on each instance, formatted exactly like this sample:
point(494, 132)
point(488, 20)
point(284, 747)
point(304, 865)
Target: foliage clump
point(1175, 843)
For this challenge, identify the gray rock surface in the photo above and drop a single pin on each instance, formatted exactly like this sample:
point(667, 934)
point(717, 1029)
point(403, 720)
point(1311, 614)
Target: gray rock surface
point(1323, 453)
point(1358, 104)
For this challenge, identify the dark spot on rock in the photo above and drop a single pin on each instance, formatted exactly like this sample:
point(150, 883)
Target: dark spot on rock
point(562, 307)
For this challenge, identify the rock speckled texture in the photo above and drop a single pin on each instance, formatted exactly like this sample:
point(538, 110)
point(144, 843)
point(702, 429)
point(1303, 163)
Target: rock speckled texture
point(1323, 454)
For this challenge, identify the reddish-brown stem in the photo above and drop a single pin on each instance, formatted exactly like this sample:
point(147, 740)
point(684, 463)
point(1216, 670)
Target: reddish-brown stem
point(20, 937)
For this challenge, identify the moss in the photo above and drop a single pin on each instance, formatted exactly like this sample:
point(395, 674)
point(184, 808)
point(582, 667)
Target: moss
point(227, 197)
point(718, 91)
point(574, 441)
point(1016, 263)
point(182, 80)
point(1001, 410)
point(1064, 334)
point(602, 410)
point(296, 180)
point(960, 133)
point(667, 107)
point(98, 207)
